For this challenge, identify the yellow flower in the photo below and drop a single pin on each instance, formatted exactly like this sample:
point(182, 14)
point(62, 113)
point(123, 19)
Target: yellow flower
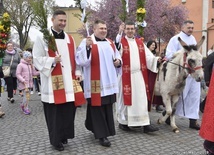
point(4, 32)
point(1, 27)
point(5, 15)
point(141, 10)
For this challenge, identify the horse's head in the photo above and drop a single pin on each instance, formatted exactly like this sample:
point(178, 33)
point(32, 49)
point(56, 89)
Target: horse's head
point(193, 59)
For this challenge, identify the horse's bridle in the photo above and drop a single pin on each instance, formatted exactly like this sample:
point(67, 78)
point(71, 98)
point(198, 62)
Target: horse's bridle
point(186, 65)
point(189, 68)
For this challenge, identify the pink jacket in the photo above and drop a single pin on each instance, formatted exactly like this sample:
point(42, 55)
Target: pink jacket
point(25, 73)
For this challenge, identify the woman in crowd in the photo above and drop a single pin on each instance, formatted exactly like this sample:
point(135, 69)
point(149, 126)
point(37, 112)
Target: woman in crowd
point(155, 101)
point(11, 59)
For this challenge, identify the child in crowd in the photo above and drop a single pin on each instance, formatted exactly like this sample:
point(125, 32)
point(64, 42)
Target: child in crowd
point(36, 79)
point(24, 73)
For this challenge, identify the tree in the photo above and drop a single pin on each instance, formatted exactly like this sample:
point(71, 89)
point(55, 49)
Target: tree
point(110, 11)
point(41, 11)
point(162, 19)
point(22, 17)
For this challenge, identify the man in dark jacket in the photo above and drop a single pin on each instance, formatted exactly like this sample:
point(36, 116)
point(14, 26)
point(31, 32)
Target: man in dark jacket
point(208, 67)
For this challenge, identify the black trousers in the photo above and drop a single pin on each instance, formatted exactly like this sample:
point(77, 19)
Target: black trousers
point(99, 119)
point(60, 121)
point(11, 83)
point(36, 83)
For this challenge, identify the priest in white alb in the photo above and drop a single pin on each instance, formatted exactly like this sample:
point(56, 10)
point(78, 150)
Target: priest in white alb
point(188, 103)
point(60, 91)
point(132, 100)
point(101, 62)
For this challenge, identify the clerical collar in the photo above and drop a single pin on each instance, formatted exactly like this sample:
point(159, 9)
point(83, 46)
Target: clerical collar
point(58, 35)
point(98, 39)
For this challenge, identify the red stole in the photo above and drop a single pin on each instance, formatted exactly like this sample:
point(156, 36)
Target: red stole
point(207, 126)
point(95, 74)
point(126, 76)
point(57, 79)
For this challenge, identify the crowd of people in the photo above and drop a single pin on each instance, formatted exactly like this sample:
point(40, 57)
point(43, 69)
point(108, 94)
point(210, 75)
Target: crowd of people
point(121, 72)
point(19, 78)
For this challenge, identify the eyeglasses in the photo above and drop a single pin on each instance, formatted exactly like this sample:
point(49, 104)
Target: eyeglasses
point(129, 29)
point(102, 28)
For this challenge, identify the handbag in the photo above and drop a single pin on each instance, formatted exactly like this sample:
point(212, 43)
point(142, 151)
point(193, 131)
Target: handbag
point(6, 69)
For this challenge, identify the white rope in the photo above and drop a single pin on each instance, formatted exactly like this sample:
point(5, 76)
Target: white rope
point(127, 5)
point(83, 5)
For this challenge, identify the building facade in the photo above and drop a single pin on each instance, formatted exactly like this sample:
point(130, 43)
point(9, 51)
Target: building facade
point(73, 23)
point(202, 13)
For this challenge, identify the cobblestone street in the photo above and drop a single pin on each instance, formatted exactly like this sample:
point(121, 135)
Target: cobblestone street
point(27, 135)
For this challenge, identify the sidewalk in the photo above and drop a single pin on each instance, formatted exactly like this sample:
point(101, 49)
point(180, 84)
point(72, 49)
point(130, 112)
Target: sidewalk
point(27, 135)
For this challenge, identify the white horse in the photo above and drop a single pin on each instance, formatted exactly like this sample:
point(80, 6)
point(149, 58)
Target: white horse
point(172, 76)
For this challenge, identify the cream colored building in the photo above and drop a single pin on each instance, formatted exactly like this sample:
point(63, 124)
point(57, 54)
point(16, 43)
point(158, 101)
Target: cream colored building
point(73, 23)
point(202, 13)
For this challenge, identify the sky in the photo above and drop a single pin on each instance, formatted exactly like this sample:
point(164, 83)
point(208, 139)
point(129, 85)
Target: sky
point(63, 3)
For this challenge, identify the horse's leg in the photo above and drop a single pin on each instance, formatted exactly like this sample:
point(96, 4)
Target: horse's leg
point(172, 122)
point(172, 117)
point(167, 103)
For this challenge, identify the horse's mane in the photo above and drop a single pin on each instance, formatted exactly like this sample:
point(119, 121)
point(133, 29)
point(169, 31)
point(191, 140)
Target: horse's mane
point(178, 53)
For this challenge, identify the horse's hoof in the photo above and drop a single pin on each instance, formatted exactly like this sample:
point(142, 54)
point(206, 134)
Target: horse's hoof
point(159, 122)
point(175, 130)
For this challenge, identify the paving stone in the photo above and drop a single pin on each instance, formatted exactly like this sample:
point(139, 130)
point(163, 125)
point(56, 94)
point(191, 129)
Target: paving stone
point(28, 135)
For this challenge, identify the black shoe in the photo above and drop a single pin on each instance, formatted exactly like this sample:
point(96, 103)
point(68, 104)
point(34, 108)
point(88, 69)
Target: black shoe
point(149, 128)
point(124, 127)
point(168, 119)
point(12, 100)
point(64, 141)
point(196, 127)
point(105, 142)
point(59, 147)
point(209, 146)
point(159, 109)
point(193, 124)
